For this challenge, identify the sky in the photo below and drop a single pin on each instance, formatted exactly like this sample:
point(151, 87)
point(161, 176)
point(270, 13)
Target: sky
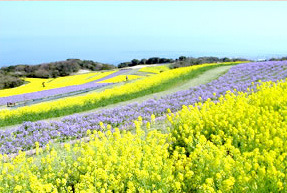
point(33, 32)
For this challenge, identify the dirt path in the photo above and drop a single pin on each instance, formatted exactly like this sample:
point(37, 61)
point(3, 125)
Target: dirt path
point(204, 78)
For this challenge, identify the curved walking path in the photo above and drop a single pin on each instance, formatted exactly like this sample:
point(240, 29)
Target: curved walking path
point(203, 78)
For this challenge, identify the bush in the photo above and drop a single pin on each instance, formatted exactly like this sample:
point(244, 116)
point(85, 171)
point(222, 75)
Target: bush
point(41, 73)
point(8, 81)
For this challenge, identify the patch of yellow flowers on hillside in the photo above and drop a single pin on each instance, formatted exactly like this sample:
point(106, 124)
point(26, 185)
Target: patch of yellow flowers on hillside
point(35, 84)
point(235, 144)
point(155, 69)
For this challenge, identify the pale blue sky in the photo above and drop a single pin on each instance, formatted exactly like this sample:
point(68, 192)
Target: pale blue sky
point(35, 32)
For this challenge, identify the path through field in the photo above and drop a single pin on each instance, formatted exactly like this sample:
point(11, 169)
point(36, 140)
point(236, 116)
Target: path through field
point(203, 78)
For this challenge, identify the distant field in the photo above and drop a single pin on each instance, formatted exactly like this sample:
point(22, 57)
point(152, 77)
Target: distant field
point(82, 81)
point(35, 84)
point(50, 89)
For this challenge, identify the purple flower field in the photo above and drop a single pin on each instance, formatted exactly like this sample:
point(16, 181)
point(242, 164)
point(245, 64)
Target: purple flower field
point(75, 126)
point(59, 91)
point(51, 92)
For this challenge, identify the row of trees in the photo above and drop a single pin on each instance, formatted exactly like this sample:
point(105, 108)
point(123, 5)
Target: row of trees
point(278, 59)
point(55, 69)
point(183, 61)
point(153, 60)
point(179, 62)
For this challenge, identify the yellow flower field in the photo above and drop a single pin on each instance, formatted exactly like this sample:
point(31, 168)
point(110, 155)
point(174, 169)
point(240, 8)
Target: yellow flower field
point(235, 145)
point(35, 84)
point(155, 69)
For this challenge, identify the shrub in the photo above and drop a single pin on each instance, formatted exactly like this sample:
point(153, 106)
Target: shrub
point(8, 81)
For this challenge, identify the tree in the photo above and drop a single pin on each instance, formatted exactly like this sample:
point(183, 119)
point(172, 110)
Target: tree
point(41, 73)
point(165, 60)
point(135, 62)
point(124, 64)
point(182, 58)
point(143, 61)
point(226, 59)
point(153, 60)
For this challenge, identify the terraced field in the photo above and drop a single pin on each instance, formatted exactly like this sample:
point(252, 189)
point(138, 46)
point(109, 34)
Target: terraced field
point(70, 105)
point(222, 129)
point(57, 88)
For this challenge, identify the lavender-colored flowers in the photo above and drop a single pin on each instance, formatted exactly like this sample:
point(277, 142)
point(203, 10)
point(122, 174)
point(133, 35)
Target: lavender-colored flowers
point(75, 126)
